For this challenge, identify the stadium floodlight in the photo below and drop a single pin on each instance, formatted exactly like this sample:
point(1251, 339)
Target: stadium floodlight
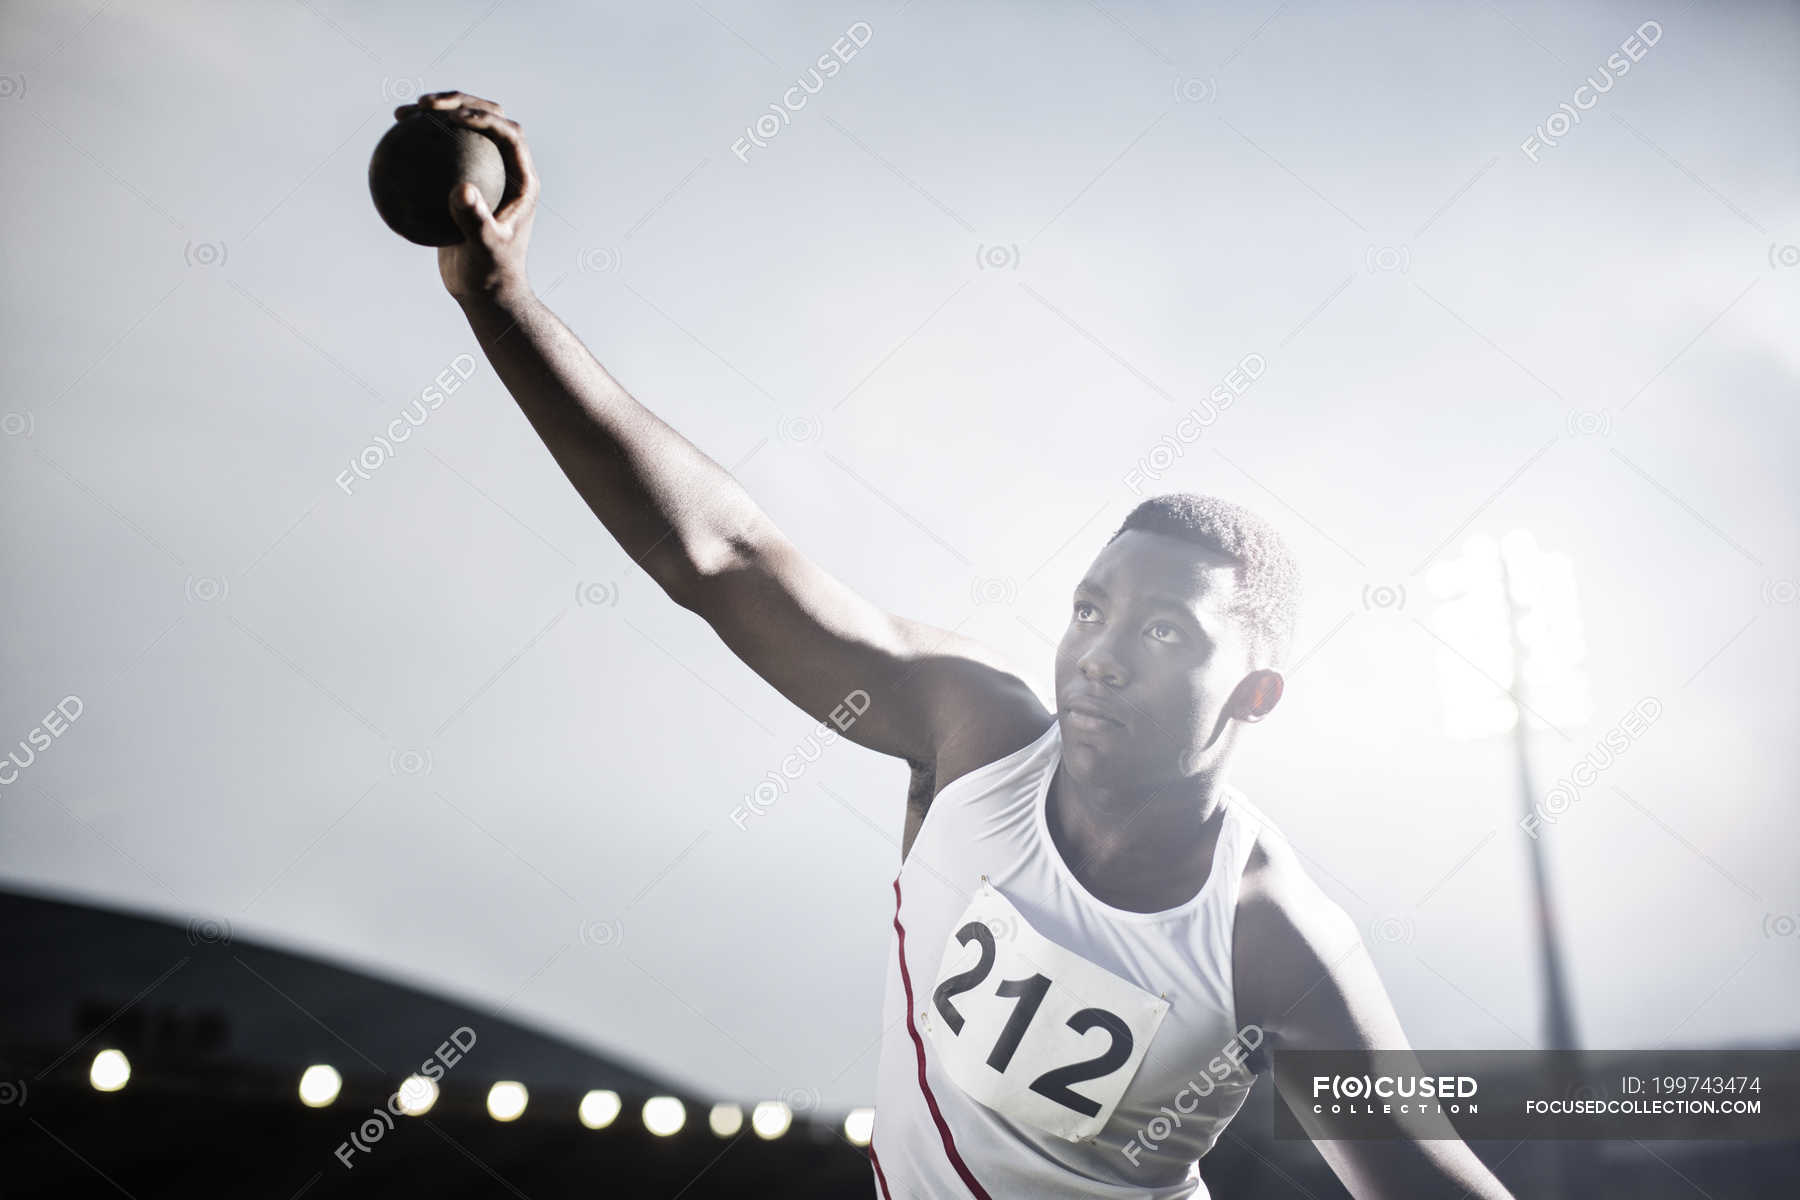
point(506, 1100)
point(859, 1126)
point(1512, 644)
point(771, 1119)
point(319, 1085)
point(416, 1095)
point(726, 1119)
point(599, 1109)
point(664, 1115)
point(109, 1071)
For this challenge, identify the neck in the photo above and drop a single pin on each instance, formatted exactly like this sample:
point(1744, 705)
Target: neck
point(1165, 824)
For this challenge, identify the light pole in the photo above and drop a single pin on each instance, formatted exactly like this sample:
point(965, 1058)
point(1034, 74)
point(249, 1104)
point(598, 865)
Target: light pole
point(1510, 611)
point(1514, 610)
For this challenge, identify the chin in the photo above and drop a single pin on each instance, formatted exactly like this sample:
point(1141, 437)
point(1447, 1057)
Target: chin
point(1098, 766)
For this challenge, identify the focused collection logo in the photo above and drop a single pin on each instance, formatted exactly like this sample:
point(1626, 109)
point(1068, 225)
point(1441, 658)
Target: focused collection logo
point(1367, 1094)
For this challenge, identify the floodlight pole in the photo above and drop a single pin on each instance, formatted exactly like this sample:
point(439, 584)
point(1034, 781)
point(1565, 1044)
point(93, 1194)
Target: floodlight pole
point(1559, 1022)
point(1558, 1160)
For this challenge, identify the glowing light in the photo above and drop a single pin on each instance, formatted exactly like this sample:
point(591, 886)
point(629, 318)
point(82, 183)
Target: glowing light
point(506, 1100)
point(319, 1086)
point(1508, 624)
point(664, 1115)
point(109, 1072)
point(859, 1126)
point(599, 1109)
point(726, 1119)
point(771, 1119)
point(417, 1095)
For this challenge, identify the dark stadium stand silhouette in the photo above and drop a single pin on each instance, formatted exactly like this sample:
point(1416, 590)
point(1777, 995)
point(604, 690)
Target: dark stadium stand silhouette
point(218, 1031)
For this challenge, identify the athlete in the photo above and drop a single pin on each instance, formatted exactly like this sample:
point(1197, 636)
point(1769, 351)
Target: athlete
point(1092, 928)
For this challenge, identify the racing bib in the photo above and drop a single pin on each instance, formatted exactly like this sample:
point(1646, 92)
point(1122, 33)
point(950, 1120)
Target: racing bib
point(1033, 1030)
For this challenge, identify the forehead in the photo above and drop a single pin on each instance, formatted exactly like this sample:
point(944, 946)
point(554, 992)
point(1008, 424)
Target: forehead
point(1138, 564)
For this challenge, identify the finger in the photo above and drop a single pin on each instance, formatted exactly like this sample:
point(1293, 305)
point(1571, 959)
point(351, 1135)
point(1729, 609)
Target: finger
point(470, 212)
point(457, 100)
point(521, 178)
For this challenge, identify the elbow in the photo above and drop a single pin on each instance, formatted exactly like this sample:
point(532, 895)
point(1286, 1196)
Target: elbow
point(682, 579)
point(693, 576)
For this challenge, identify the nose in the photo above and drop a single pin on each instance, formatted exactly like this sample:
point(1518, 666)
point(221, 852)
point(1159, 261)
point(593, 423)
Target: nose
point(1100, 665)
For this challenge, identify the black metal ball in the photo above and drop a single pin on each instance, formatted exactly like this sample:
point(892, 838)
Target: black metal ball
point(416, 165)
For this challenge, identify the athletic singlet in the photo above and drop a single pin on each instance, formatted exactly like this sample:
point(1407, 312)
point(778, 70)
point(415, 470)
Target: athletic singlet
point(1041, 1043)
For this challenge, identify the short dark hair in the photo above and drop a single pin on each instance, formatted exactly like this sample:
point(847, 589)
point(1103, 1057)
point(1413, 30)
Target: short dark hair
point(1268, 591)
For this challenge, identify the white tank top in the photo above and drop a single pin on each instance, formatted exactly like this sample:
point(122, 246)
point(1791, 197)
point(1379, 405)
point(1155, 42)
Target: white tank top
point(1037, 1041)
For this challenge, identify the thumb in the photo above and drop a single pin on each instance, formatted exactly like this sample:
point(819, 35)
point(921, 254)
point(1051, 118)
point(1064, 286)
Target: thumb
point(469, 210)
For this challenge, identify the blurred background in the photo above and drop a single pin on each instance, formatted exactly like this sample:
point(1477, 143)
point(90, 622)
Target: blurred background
point(319, 745)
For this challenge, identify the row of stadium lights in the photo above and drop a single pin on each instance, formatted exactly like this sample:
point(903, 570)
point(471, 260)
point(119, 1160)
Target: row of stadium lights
point(506, 1100)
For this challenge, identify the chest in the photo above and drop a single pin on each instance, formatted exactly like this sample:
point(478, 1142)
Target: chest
point(1068, 1027)
point(1136, 877)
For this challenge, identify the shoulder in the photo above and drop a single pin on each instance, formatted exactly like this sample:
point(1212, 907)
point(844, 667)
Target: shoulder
point(980, 713)
point(1291, 942)
point(977, 707)
point(1279, 900)
point(1012, 719)
point(977, 711)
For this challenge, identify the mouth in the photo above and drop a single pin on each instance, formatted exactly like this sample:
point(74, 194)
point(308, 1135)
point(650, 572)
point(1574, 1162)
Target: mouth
point(1091, 717)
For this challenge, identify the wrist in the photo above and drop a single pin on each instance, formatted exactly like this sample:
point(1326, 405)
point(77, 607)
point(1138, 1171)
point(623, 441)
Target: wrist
point(506, 298)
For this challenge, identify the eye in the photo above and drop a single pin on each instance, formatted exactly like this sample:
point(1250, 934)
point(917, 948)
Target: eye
point(1084, 606)
point(1163, 631)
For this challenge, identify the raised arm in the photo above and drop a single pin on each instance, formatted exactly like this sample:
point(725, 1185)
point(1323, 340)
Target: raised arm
point(932, 696)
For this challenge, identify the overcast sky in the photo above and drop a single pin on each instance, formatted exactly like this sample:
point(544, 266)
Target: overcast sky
point(425, 718)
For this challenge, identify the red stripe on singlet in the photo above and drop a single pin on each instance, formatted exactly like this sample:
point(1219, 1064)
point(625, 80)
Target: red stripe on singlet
point(956, 1161)
point(879, 1177)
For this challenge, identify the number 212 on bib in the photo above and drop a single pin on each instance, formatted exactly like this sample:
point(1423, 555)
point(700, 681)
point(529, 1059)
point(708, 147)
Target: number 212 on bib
point(1031, 1029)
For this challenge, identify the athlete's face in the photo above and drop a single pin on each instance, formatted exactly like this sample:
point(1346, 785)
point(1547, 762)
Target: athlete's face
point(1153, 666)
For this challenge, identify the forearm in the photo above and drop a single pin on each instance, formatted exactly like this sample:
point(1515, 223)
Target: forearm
point(1435, 1170)
point(673, 509)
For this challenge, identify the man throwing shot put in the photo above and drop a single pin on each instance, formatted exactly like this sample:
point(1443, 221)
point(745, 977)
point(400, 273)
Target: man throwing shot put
point(1091, 926)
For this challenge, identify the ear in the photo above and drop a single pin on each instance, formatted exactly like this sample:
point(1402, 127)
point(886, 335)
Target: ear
point(1257, 695)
